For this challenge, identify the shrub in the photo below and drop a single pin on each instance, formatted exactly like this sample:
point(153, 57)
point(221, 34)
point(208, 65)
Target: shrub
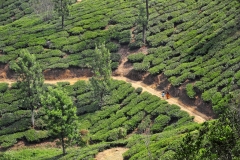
point(138, 57)
point(190, 91)
point(76, 30)
point(207, 95)
point(124, 37)
point(237, 75)
point(144, 66)
point(150, 107)
point(159, 123)
point(9, 118)
point(157, 69)
point(114, 65)
point(117, 133)
point(8, 97)
point(129, 98)
point(115, 57)
point(118, 122)
point(89, 35)
point(133, 121)
point(216, 98)
point(112, 47)
point(135, 45)
point(34, 135)
point(11, 139)
point(3, 87)
point(139, 90)
point(35, 49)
point(144, 124)
point(4, 107)
point(134, 110)
point(17, 126)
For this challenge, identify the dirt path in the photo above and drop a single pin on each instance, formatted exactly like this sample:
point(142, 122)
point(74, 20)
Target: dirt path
point(111, 154)
point(191, 110)
point(120, 74)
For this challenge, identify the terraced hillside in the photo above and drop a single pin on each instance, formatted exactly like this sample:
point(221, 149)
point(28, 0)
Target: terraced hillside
point(72, 46)
point(128, 113)
point(194, 44)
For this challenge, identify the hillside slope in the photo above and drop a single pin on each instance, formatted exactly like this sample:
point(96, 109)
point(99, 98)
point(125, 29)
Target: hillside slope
point(190, 42)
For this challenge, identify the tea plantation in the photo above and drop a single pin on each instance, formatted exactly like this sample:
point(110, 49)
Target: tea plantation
point(121, 122)
point(195, 44)
point(189, 41)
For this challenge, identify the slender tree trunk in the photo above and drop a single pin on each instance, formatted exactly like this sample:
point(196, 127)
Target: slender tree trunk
point(147, 143)
point(145, 25)
point(147, 11)
point(32, 118)
point(63, 144)
point(62, 21)
point(31, 105)
point(144, 35)
point(62, 13)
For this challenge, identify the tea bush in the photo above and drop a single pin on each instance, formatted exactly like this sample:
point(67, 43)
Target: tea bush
point(3, 87)
point(138, 57)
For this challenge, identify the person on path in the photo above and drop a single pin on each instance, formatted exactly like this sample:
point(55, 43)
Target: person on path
point(163, 94)
point(168, 95)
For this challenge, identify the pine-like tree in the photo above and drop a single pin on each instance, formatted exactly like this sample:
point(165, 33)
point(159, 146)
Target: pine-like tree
point(101, 68)
point(62, 8)
point(142, 20)
point(30, 80)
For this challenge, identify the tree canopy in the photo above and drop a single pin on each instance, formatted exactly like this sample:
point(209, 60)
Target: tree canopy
point(62, 8)
point(30, 80)
point(101, 68)
point(61, 116)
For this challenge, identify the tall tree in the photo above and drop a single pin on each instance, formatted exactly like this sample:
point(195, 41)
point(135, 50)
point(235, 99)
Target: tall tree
point(101, 68)
point(218, 139)
point(2, 2)
point(147, 10)
point(62, 8)
point(30, 80)
point(61, 116)
point(142, 20)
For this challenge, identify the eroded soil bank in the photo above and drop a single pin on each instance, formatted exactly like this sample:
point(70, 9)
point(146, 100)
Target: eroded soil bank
point(153, 84)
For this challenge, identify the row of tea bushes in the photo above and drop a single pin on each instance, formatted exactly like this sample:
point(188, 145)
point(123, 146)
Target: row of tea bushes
point(83, 31)
point(189, 44)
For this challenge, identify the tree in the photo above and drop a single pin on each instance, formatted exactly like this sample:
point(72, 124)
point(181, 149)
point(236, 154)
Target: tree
point(62, 8)
point(30, 81)
point(147, 10)
point(142, 20)
point(2, 2)
point(101, 68)
point(61, 116)
point(43, 8)
point(218, 139)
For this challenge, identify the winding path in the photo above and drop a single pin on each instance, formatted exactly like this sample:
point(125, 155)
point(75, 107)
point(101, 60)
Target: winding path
point(191, 110)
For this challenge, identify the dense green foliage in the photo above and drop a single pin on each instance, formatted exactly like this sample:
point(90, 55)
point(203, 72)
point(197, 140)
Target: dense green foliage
point(30, 81)
point(62, 9)
point(72, 46)
point(126, 110)
point(190, 44)
point(218, 139)
point(61, 116)
point(185, 40)
point(101, 68)
point(195, 44)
